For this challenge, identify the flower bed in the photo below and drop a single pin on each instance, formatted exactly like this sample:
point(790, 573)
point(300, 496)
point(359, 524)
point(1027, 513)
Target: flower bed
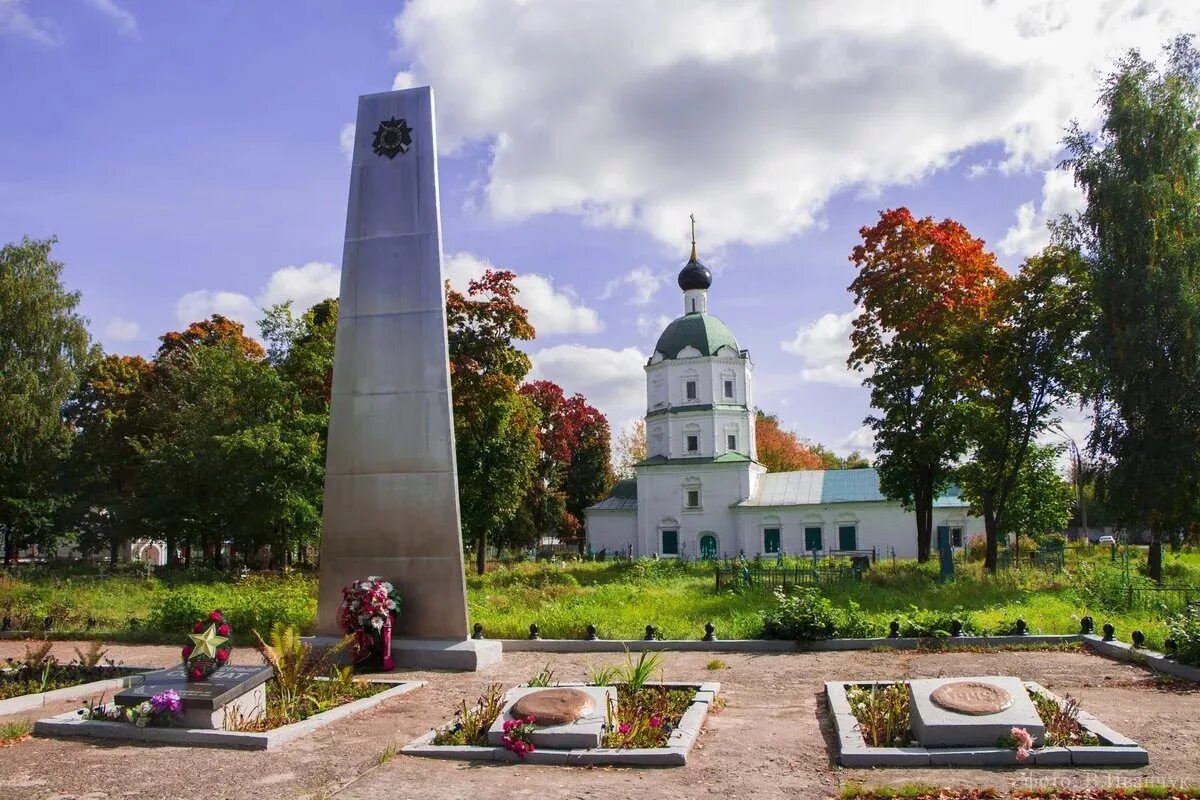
point(654, 725)
point(873, 723)
point(39, 672)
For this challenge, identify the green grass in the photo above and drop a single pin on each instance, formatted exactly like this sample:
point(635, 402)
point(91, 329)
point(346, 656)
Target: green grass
point(10, 732)
point(620, 598)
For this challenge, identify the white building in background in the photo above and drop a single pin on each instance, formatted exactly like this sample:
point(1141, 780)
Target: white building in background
point(701, 492)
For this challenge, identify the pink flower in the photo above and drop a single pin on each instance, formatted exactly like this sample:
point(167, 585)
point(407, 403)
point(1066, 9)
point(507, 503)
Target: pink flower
point(199, 626)
point(1024, 740)
point(215, 616)
point(223, 630)
point(655, 722)
point(222, 656)
point(623, 728)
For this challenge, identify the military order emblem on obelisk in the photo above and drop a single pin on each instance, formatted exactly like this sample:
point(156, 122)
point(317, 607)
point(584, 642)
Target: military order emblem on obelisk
point(391, 486)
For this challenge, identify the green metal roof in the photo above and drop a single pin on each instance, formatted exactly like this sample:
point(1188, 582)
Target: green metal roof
point(704, 332)
point(659, 412)
point(724, 458)
point(824, 487)
point(623, 497)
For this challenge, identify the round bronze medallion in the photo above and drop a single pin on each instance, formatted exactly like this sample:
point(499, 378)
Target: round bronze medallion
point(972, 697)
point(554, 706)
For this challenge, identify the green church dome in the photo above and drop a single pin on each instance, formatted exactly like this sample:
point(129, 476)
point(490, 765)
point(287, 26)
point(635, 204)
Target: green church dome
point(704, 332)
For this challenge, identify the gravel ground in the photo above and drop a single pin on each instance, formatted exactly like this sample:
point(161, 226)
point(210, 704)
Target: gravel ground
point(772, 739)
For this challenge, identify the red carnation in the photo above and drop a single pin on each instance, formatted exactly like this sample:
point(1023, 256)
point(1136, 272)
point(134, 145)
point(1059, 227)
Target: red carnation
point(199, 626)
point(222, 656)
point(187, 651)
point(223, 630)
point(215, 616)
point(196, 674)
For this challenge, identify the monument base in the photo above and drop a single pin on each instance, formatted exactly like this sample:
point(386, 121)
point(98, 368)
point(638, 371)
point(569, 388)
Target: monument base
point(460, 655)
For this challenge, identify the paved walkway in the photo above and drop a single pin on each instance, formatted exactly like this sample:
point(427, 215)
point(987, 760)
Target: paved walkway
point(771, 740)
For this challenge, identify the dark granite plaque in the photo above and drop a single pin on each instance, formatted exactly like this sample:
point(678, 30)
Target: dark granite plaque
point(223, 686)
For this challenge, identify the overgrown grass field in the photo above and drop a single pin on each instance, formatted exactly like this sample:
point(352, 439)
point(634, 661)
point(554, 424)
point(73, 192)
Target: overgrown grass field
point(619, 598)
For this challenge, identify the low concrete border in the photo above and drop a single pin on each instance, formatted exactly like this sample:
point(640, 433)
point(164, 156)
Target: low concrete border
point(675, 754)
point(1123, 651)
point(853, 750)
point(776, 645)
point(69, 725)
point(25, 702)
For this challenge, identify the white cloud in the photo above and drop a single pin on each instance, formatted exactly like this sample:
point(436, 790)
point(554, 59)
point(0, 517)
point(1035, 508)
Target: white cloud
point(652, 325)
point(861, 439)
point(203, 303)
point(346, 140)
point(1029, 235)
point(16, 21)
point(642, 285)
point(552, 310)
point(824, 346)
point(126, 23)
point(612, 380)
point(304, 285)
point(121, 330)
point(403, 80)
point(753, 114)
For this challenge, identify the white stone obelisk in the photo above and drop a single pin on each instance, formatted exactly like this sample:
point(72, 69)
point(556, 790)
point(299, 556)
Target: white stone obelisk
point(391, 485)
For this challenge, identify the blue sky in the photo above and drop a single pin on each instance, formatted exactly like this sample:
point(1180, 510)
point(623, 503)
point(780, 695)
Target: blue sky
point(189, 156)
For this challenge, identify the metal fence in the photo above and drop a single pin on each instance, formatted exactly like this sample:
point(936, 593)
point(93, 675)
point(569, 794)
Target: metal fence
point(771, 578)
point(1049, 558)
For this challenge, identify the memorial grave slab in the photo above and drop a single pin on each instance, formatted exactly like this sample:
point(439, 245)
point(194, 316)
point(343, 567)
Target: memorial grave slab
point(231, 691)
point(577, 714)
point(971, 712)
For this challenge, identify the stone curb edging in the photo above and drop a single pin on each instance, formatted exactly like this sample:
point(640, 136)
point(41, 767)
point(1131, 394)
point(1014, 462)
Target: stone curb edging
point(675, 754)
point(774, 645)
point(72, 725)
point(25, 702)
point(853, 750)
point(1123, 651)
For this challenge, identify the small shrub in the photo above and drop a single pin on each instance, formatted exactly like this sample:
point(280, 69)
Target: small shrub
point(636, 675)
point(803, 615)
point(603, 675)
point(471, 724)
point(976, 549)
point(715, 665)
point(1062, 722)
point(922, 624)
point(1185, 630)
point(882, 713)
point(544, 678)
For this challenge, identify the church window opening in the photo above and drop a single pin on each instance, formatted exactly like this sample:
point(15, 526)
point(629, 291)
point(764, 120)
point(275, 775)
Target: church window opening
point(689, 390)
point(670, 543)
point(729, 389)
point(956, 537)
point(708, 547)
point(693, 444)
point(813, 539)
point(693, 498)
point(771, 540)
point(847, 537)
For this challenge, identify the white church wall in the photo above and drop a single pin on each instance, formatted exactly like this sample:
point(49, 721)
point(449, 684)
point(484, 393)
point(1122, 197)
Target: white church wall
point(614, 531)
point(885, 528)
point(662, 505)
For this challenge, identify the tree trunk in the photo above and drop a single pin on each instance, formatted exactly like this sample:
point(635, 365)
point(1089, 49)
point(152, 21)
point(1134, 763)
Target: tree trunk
point(171, 559)
point(480, 553)
point(114, 549)
point(1154, 557)
point(10, 549)
point(993, 538)
point(923, 506)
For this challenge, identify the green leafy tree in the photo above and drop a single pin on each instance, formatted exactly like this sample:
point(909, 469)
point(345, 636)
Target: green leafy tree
point(495, 427)
point(1140, 232)
point(1039, 502)
point(107, 414)
point(1027, 353)
point(44, 349)
point(921, 285)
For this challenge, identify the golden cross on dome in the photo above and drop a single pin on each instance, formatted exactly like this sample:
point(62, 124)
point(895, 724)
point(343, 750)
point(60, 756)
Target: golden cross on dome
point(692, 217)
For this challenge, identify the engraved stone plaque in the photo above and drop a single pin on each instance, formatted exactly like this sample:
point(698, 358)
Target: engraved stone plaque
point(972, 697)
point(554, 706)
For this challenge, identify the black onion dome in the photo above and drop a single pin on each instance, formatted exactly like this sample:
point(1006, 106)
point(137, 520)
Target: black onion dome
point(694, 275)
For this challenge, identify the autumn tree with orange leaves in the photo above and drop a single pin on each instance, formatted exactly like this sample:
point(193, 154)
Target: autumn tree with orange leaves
point(922, 286)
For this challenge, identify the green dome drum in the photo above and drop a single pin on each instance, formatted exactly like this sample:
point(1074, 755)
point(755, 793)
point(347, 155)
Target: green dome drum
point(704, 332)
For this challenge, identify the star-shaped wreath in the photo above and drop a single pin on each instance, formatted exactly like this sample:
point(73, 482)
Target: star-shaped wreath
point(209, 649)
point(393, 136)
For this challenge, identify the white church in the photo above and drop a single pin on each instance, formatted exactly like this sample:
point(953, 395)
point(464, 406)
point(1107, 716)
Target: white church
point(701, 493)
